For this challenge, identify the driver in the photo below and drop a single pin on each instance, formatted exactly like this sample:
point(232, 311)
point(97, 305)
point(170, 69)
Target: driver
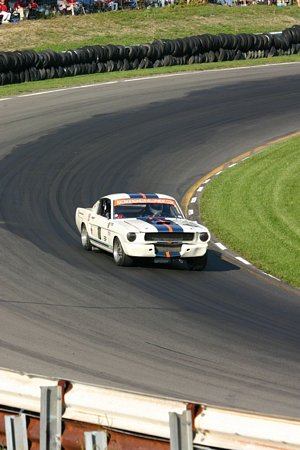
point(156, 209)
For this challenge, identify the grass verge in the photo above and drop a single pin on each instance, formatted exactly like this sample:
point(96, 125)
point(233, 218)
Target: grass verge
point(254, 209)
point(140, 26)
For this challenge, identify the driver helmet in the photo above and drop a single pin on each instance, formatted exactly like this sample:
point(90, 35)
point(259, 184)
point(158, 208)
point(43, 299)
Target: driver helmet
point(156, 208)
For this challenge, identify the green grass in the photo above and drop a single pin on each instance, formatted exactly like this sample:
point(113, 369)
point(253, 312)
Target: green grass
point(140, 26)
point(254, 208)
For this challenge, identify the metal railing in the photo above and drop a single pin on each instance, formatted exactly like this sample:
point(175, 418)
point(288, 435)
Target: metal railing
point(73, 416)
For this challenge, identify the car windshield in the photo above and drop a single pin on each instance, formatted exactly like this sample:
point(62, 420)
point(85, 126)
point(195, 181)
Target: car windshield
point(136, 210)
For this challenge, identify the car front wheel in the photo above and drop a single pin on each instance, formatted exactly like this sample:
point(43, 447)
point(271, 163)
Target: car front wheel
point(120, 257)
point(198, 263)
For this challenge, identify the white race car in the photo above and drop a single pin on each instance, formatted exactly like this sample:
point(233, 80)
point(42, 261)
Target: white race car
point(145, 226)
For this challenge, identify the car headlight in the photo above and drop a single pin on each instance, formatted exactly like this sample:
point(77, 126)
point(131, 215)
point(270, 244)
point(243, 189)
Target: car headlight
point(203, 236)
point(131, 237)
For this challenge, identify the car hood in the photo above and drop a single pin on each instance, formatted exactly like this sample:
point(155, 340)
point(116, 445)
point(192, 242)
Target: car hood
point(149, 225)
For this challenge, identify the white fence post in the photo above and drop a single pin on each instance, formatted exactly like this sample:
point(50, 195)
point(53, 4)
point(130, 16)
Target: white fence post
point(16, 432)
point(181, 434)
point(50, 419)
point(95, 440)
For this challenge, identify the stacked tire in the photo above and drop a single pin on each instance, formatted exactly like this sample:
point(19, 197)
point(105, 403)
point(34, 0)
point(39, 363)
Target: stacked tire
point(28, 65)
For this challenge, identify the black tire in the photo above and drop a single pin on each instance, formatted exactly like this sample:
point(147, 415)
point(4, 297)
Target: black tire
point(120, 257)
point(198, 263)
point(85, 240)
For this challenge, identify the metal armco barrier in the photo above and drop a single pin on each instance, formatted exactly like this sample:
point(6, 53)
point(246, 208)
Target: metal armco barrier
point(73, 436)
point(21, 390)
point(28, 65)
point(135, 421)
point(239, 430)
point(121, 410)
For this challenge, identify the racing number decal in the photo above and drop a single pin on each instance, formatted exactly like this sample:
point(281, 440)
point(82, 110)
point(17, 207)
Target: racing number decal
point(102, 238)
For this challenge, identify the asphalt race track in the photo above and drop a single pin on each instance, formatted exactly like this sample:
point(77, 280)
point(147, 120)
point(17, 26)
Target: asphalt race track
point(225, 336)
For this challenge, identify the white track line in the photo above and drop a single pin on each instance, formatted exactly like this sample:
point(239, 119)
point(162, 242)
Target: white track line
point(32, 94)
point(242, 260)
point(221, 246)
point(271, 276)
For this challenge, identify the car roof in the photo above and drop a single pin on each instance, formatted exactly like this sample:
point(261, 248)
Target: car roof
point(136, 195)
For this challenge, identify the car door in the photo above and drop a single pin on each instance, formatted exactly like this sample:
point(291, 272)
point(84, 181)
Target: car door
point(99, 222)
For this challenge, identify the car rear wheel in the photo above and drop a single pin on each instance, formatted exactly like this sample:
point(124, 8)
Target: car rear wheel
point(120, 257)
point(85, 240)
point(198, 263)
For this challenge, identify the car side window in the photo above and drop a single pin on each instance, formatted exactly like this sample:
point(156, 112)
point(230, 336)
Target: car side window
point(105, 208)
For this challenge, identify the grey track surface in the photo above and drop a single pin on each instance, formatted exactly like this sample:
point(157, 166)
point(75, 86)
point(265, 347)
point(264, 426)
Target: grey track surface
point(224, 336)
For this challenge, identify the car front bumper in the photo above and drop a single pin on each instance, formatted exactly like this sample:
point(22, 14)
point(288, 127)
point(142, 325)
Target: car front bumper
point(152, 250)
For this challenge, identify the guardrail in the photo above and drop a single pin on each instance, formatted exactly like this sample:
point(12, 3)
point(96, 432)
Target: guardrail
point(28, 65)
point(240, 430)
point(139, 421)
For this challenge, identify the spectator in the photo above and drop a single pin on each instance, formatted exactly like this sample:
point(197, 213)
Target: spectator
point(33, 9)
point(4, 12)
point(70, 6)
point(32, 4)
point(113, 5)
point(77, 7)
point(62, 6)
point(21, 8)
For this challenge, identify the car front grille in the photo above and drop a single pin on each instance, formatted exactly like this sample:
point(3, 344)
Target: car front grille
point(167, 247)
point(169, 237)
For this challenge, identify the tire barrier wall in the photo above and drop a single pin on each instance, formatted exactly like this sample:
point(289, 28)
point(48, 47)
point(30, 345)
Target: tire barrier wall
point(28, 65)
point(139, 421)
